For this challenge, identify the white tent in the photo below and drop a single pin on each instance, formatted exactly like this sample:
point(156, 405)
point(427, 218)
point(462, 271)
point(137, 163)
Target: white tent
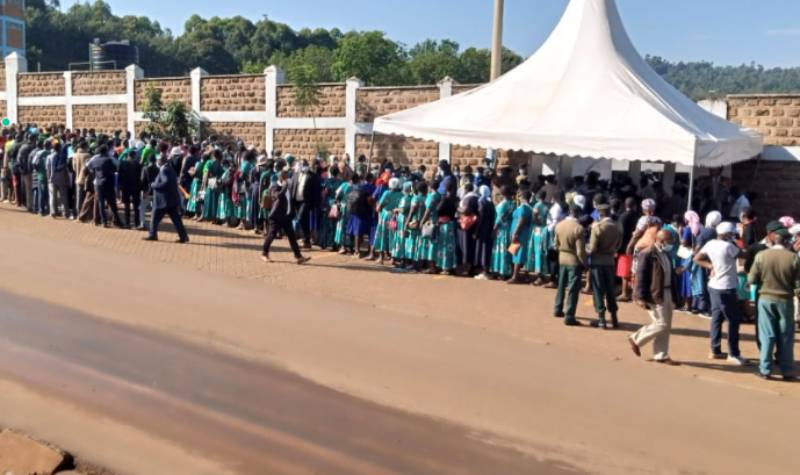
point(585, 93)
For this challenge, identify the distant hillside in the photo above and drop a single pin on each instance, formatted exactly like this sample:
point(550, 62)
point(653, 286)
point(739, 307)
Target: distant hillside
point(231, 45)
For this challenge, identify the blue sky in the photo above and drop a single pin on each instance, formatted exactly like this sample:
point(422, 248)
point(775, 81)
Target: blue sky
point(722, 31)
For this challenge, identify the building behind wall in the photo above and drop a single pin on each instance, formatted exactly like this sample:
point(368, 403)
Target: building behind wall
point(12, 27)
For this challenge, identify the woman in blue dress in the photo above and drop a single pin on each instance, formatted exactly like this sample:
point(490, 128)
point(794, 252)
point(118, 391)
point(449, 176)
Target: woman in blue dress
point(211, 187)
point(521, 226)
point(430, 221)
point(413, 240)
point(195, 204)
point(501, 259)
point(341, 238)
point(384, 235)
point(242, 206)
point(537, 263)
point(225, 210)
point(327, 233)
point(401, 215)
point(445, 241)
point(694, 278)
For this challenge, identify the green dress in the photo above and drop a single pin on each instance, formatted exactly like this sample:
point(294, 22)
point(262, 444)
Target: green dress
point(501, 259)
point(399, 246)
point(413, 241)
point(538, 244)
point(384, 237)
point(194, 193)
point(429, 244)
point(225, 209)
point(212, 170)
point(243, 207)
point(523, 217)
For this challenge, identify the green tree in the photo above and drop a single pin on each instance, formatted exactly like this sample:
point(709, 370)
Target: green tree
point(371, 57)
point(430, 61)
point(153, 110)
point(178, 122)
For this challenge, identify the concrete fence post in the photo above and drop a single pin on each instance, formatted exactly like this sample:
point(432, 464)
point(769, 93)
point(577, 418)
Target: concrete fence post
point(68, 100)
point(273, 76)
point(352, 86)
point(197, 76)
point(132, 73)
point(445, 90)
point(15, 64)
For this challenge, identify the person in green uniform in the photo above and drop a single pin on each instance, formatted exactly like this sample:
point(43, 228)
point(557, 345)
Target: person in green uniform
point(569, 242)
point(225, 209)
point(776, 273)
point(521, 225)
point(401, 216)
point(537, 264)
point(384, 234)
point(342, 238)
point(430, 222)
point(243, 207)
point(445, 240)
point(501, 259)
point(327, 232)
point(212, 172)
point(195, 204)
point(413, 248)
point(604, 242)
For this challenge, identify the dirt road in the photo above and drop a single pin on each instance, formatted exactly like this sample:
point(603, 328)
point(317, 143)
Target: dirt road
point(572, 399)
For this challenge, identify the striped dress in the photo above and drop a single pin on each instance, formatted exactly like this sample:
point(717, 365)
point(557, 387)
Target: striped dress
point(501, 259)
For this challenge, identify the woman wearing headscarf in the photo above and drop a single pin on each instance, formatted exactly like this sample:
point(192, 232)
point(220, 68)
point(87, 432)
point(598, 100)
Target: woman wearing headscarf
point(701, 303)
point(445, 240)
point(484, 232)
point(467, 220)
point(693, 278)
point(401, 218)
point(384, 231)
point(501, 259)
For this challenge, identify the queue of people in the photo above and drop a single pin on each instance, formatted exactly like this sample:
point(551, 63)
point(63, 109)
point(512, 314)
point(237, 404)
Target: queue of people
point(614, 240)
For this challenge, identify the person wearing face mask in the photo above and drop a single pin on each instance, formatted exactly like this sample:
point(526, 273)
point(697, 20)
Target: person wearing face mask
point(656, 291)
point(776, 272)
point(719, 257)
point(280, 219)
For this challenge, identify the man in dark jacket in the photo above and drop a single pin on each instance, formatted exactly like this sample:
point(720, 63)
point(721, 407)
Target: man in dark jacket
point(166, 201)
point(130, 182)
point(306, 190)
point(24, 159)
point(104, 166)
point(657, 292)
point(280, 219)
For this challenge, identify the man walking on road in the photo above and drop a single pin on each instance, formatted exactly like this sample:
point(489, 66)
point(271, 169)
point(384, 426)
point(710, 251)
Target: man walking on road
point(776, 272)
point(719, 257)
point(571, 258)
point(166, 201)
point(280, 219)
point(656, 291)
point(605, 240)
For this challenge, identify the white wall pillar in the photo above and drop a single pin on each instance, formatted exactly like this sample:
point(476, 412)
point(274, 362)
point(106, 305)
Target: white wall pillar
point(351, 99)
point(197, 76)
point(635, 172)
point(273, 76)
point(68, 99)
point(445, 90)
point(15, 64)
point(132, 73)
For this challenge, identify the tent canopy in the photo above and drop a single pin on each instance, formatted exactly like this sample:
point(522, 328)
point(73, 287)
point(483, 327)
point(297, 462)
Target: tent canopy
point(585, 93)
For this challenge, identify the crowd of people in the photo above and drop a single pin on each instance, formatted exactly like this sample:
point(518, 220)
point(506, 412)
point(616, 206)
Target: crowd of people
point(611, 238)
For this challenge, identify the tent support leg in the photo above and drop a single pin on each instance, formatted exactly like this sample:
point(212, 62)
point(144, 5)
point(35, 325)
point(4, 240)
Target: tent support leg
point(691, 190)
point(369, 155)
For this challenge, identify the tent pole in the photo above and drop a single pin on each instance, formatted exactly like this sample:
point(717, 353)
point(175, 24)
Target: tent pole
point(371, 145)
point(497, 41)
point(691, 190)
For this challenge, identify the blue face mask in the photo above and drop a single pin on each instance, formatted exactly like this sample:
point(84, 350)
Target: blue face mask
point(668, 248)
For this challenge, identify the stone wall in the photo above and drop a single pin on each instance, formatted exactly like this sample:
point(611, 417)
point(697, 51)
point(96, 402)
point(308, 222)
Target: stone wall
point(43, 116)
point(253, 133)
point(372, 102)
point(776, 117)
point(3, 109)
point(172, 89)
point(98, 83)
point(775, 184)
point(331, 99)
point(233, 93)
point(401, 151)
point(303, 143)
point(105, 118)
point(2, 76)
point(41, 84)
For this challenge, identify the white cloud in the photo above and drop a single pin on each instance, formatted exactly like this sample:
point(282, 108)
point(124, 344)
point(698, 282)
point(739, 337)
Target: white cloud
point(783, 32)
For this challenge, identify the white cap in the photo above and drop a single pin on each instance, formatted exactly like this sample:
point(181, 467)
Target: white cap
point(726, 228)
point(579, 201)
point(794, 230)
point(175, 152)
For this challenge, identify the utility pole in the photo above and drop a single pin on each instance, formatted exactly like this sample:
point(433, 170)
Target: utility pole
point(497, 41)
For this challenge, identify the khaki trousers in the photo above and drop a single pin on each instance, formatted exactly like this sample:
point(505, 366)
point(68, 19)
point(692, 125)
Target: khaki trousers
point(658, 331)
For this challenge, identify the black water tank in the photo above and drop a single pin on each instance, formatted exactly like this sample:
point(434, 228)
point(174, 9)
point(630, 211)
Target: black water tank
point(112, 55)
